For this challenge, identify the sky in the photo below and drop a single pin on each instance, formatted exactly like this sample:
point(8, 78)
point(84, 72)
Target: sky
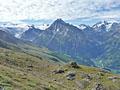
point(75, 11)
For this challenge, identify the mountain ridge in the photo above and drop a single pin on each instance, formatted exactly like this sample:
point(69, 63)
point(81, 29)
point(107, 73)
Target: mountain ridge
point(86, 46)
point(25, 66)
point(82, 45)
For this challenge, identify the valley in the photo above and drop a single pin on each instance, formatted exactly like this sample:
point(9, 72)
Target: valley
point(62, 57)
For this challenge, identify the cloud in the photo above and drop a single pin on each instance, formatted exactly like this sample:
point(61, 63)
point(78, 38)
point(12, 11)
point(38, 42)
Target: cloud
point(52, 9)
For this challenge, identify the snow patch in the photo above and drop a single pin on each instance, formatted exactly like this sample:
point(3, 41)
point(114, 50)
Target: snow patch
point(57, 30)
point(42, 27)
point(82, 27)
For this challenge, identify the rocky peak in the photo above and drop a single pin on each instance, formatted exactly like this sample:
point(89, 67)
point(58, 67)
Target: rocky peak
point(31, 27)
point(115, 26)
point(102, 26)
point(31, 33)
point(60, 25)
point(59, 21)
point(83, 26)
point(57, 25)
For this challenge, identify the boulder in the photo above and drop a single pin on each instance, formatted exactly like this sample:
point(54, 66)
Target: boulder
point(100, 73)
point(104, 71)
point(114, 78)
point(86, 76)
point(99, 86)
point(82, 84)
point(2, 88)
point(70, 75)
point(74, 65)
point(30, 66)
point(59, 71)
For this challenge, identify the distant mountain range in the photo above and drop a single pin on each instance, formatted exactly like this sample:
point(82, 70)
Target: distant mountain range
point(97, 45)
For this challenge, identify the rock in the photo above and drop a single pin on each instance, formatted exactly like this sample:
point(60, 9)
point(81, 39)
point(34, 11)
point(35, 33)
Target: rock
point(100, 73)
point(114, 78)
point(98, 77)
point(2, 88)
point(99, 87)
point(74, 65)
point(54, 80)
point(86, 76)
point(104, 71)
point(30, 66)
point(82, 84)
point(70, 75)
point(59, 71)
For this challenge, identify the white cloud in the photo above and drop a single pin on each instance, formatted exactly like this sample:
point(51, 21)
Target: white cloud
point(52, 9)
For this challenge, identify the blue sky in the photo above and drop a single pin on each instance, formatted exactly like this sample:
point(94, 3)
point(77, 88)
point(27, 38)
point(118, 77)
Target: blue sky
point(74, 11)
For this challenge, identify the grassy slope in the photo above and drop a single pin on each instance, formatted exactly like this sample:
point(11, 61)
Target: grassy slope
point(22, 71)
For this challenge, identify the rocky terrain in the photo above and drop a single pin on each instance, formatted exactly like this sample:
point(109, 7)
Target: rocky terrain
point(24, 66)
point(20, 71)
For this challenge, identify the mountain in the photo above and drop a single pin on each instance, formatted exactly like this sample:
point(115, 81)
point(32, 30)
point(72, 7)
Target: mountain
point(67, 39)
point(10, 42)
point(42, 26)
point(25, 66)
point(21, 71)
point(115, 26)
point(83, 26)
point(85, 45)
point(110, 58)
point(14, 29)
point(102, 26)
point(6, 37)
point(31, 33)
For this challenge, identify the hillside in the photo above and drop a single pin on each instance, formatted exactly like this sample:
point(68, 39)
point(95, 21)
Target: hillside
point(10, 42)
point(24, 66)
point(59, 44)
point(67, 39)
point(20, 71)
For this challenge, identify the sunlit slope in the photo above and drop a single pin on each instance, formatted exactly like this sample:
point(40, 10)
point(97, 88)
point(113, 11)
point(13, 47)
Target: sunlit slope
point(21, 71)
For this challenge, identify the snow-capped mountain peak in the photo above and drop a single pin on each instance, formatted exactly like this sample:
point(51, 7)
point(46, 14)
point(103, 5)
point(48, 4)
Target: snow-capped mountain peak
point(14, 29)
point(82, 26)
point(42, 26)
point(103, 25)
point(11, 25)
point(99, 24)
